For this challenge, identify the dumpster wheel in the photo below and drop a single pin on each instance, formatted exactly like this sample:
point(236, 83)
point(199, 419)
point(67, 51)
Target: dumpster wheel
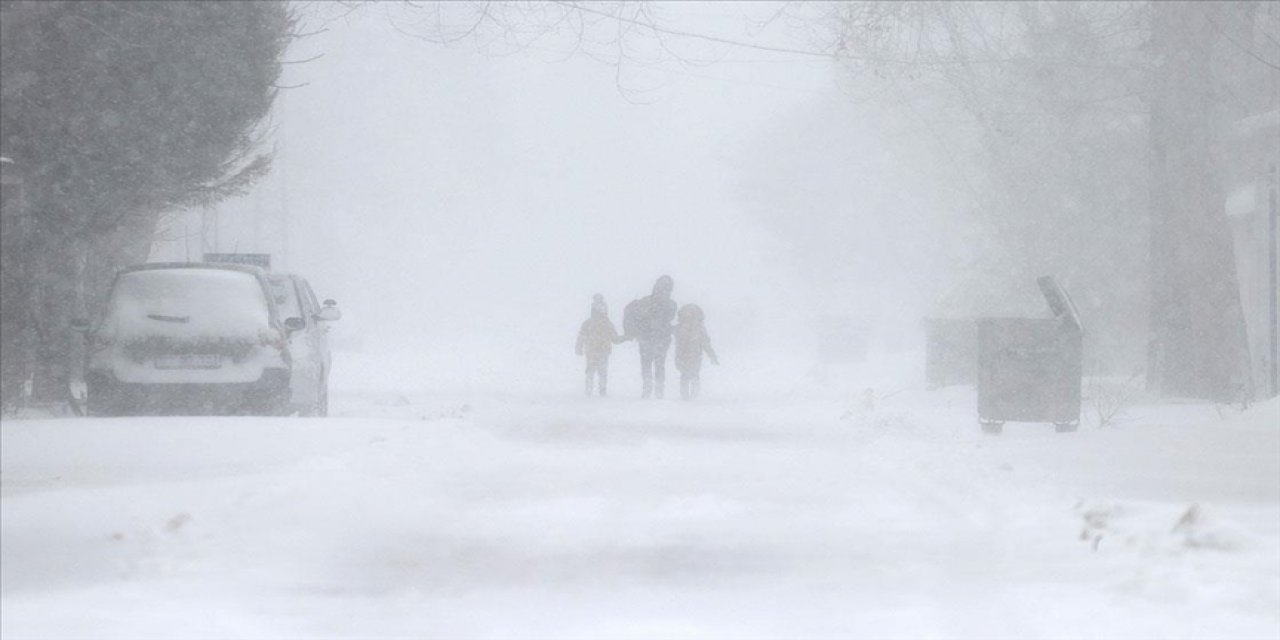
point(992, 427)
point(1065, 427)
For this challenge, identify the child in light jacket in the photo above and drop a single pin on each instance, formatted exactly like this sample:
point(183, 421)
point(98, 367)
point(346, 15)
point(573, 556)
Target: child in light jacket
point(691, 340)
point(595, 341)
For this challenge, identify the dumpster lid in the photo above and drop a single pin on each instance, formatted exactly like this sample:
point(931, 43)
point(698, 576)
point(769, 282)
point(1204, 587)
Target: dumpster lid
point(1059, 302)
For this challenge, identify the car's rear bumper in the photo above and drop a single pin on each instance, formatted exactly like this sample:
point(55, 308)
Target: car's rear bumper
point(268, 395)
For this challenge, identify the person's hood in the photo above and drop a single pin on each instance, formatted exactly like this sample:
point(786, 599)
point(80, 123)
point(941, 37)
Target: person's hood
point(691, 314)
point(598, 306)
point(663, 287)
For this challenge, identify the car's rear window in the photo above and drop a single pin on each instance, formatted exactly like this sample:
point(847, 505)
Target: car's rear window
point(188, 302)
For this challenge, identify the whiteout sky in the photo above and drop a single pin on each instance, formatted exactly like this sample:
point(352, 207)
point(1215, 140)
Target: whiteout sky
point(465, 206)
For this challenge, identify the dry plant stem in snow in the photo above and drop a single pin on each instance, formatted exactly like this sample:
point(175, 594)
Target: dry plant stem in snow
point(1110, 400)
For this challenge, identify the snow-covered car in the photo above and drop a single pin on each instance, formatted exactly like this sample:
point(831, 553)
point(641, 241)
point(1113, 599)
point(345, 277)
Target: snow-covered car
point(307, 323)
point(189, 338)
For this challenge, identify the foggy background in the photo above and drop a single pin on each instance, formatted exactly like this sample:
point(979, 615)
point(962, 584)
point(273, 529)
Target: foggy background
point(463, 205)
point(829, 181)
point(821, 177)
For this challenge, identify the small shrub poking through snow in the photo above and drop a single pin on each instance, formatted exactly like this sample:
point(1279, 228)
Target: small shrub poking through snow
point(1149, 529)
point(1109, 400)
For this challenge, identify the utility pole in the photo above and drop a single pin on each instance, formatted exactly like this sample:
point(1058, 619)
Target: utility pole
point(284, 206)
point(1273, 180)
point(208, 230)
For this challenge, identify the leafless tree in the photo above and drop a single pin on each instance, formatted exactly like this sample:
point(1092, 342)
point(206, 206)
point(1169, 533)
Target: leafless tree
point(1091, 131)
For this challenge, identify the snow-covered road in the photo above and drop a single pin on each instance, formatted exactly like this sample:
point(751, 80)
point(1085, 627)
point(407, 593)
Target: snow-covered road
point(508, 517)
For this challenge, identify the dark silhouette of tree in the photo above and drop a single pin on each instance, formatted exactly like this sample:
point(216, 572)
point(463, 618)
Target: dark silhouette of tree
point(115, 113)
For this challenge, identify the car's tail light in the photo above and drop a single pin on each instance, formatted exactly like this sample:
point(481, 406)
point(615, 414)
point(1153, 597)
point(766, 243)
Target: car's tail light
point(272, 338)
point(100, 341)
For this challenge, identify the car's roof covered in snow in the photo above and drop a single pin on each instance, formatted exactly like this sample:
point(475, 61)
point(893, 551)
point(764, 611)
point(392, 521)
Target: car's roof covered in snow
point(257, 271)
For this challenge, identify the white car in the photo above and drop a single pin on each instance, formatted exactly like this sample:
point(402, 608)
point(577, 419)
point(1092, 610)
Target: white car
point(307, 322)
point(194, 338)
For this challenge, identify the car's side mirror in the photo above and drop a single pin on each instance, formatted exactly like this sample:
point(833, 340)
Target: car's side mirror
point(80, 325)
point(295, 324)
point(330, 303)
point(329, 313)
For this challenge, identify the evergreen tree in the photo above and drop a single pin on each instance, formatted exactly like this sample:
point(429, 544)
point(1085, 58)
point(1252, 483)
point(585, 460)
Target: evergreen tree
point(116, 113)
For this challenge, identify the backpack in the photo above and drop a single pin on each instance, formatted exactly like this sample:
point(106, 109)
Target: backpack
point(635, 318)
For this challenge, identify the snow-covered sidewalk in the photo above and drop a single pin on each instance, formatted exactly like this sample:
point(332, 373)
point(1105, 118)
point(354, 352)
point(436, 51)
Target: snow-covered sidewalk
point(566, 518)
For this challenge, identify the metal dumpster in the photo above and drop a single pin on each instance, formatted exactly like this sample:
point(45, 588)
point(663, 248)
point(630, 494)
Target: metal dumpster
point(1029, 369)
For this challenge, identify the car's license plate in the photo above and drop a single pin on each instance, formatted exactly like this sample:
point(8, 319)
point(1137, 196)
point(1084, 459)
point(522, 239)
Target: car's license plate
point(189, 361)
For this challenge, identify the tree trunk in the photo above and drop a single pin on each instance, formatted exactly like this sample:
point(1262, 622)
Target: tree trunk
point(1197, 345)
point(68, 278)
point(51, 305)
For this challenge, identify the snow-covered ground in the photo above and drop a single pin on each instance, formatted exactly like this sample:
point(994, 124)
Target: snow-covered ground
point(535, 515)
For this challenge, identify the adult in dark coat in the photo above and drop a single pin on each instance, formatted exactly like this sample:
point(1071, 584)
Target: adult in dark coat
point(648, 321)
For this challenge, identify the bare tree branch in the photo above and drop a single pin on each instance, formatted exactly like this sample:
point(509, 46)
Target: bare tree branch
point(312, 58)
point(1252, 54)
